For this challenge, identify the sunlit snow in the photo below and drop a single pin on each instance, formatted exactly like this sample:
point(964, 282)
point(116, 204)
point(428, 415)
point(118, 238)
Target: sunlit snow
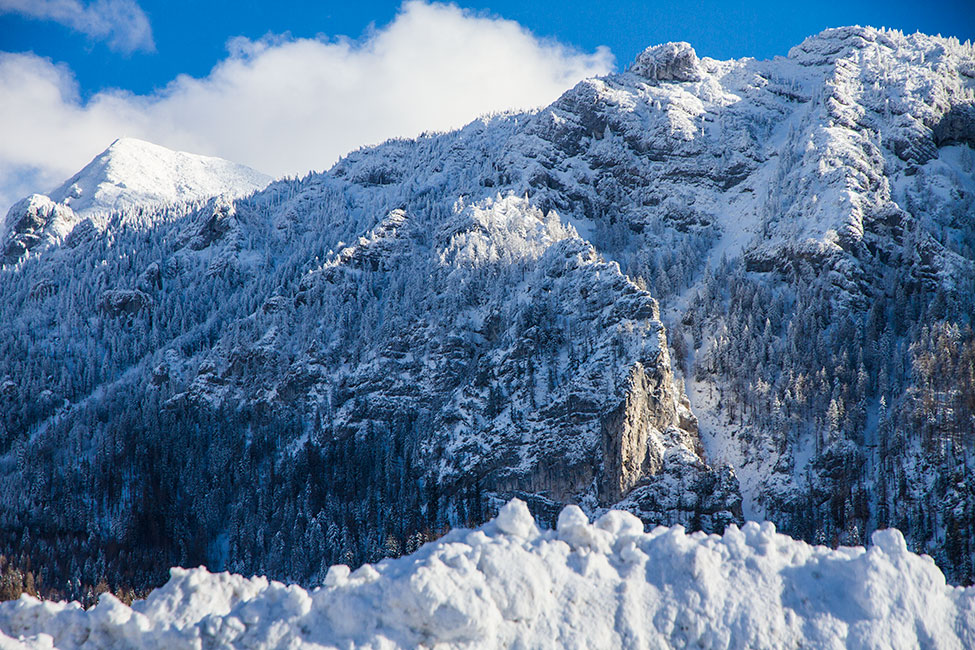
point(585, 585)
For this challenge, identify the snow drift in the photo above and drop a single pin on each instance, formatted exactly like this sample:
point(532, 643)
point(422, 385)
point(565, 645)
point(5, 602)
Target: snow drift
point(584, 585)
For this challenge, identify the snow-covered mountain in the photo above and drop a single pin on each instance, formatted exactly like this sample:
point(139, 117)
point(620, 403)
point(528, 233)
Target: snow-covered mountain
point(698, 290)
point(129, 175)
point(605, 584)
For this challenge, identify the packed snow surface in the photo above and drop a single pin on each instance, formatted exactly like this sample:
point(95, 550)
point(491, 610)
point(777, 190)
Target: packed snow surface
point(584, 585)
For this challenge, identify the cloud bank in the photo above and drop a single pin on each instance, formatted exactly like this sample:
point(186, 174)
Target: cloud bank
point(287, 106)
point(120, 22)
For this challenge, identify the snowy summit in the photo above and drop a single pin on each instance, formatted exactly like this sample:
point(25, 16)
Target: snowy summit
point(130, 174)
point(134, 172)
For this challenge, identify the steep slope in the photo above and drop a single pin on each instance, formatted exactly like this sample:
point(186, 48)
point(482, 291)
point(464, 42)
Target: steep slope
point(864, 261)
point(129, 175)
point(507, 584)
point(340, 367)
point(542, 369)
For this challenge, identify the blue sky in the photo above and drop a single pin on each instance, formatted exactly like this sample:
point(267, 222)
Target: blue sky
point(190, 37)
point(289, 86)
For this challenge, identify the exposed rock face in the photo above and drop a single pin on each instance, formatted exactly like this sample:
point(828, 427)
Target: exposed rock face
point(218, 224)
point(43, 288)
point(644, 426)
point(957, 126)
point(123, 302)
point(151, 279)
point(684, 490)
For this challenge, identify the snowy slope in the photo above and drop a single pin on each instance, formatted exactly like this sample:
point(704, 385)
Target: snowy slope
point(133, 172)
point(130, 174)
point(605, 584)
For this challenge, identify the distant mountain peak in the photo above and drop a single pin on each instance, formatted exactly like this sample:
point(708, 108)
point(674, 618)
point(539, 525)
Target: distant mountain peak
point(130, 173)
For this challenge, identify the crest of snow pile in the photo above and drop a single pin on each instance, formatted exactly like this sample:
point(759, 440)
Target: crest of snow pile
point(668, 62)
point(605, 584)
point(129, 174)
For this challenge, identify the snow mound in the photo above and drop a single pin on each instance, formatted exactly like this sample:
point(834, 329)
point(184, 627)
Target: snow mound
point(584, 585)
point(133, 172)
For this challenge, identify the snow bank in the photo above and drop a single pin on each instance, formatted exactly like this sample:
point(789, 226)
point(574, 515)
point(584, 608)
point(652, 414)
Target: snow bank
point(508, 584)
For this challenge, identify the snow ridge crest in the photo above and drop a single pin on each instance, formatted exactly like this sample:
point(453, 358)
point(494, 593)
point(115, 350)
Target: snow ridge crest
point(605, 583)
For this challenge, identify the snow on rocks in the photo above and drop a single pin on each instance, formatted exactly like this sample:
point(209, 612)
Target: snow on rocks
point(583, 585)
point(128, 176)
point(28, 221)
point(668, 62)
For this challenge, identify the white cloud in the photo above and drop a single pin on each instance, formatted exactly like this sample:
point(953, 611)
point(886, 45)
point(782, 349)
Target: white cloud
point(286, 106)
point(121, 22)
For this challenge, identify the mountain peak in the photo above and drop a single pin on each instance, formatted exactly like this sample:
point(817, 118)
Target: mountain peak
point(128, 174)
point(134, 172)
point(128, 142)
point(668, 62)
